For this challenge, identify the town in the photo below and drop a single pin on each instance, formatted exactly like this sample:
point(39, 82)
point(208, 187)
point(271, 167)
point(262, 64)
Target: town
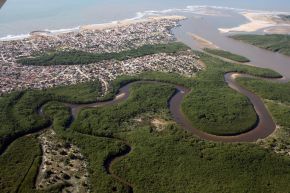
point(94, 39)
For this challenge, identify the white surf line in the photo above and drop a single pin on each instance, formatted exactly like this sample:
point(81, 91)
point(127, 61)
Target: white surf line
point(194, 9)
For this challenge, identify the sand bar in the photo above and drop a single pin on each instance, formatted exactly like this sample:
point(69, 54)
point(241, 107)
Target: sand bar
point(203, 43)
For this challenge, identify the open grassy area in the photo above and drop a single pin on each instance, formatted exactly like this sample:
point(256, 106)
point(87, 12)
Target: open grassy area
point(80, 57)
point(274, 42)
point(226, 54)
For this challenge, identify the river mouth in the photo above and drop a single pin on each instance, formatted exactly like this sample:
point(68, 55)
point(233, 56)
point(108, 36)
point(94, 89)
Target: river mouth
point(206, 27)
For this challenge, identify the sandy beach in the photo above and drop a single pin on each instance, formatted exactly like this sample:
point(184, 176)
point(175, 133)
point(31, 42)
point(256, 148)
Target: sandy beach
point(256, 22)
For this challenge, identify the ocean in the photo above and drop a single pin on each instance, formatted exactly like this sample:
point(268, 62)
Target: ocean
point(19, 17)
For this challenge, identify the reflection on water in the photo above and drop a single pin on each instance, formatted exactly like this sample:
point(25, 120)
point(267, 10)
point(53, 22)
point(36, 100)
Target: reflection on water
point(2, 2)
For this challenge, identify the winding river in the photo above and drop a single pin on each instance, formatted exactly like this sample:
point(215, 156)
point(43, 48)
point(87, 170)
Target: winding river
point(264, 127)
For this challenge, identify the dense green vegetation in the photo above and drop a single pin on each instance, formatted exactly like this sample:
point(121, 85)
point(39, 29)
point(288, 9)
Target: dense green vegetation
point(80, 57)
point(102, 121)
point(177, 162)
point(277, 98)
point(169, 160)
point(16, 162)
point(274, 42)
point(205, 106)
point(226, 54)
point(19, 115)
point(267, 89)
point(172, 156)
point(19, 166)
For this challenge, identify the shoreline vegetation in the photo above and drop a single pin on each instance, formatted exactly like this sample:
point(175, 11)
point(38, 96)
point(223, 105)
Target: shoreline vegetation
point(227, 55)
point(97, 132)
point(273, 42)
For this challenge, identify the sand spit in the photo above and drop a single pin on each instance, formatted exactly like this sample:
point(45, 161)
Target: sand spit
point(203, 43)
point(127, 22)
point(257, 21)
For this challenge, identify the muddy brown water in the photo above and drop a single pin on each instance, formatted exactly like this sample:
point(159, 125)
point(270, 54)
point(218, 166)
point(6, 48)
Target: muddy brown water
point(207, 28)
point(263, 128)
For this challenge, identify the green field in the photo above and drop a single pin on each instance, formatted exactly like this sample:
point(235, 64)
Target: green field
point(226, 54)
point(162, 160)
point(79, 57)
point(274, 42)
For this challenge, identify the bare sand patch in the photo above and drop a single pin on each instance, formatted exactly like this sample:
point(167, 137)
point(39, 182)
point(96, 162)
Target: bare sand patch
point(160, 124)
point(62, 163)
point(203, 43)
point(119, 96)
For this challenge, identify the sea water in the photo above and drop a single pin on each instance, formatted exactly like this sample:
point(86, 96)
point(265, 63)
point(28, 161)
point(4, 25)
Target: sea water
point(19, 17)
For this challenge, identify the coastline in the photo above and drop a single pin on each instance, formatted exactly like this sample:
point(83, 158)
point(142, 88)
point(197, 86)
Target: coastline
point(127, 22)
point(258, 21)
point(256, 18)
point(100, 27)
